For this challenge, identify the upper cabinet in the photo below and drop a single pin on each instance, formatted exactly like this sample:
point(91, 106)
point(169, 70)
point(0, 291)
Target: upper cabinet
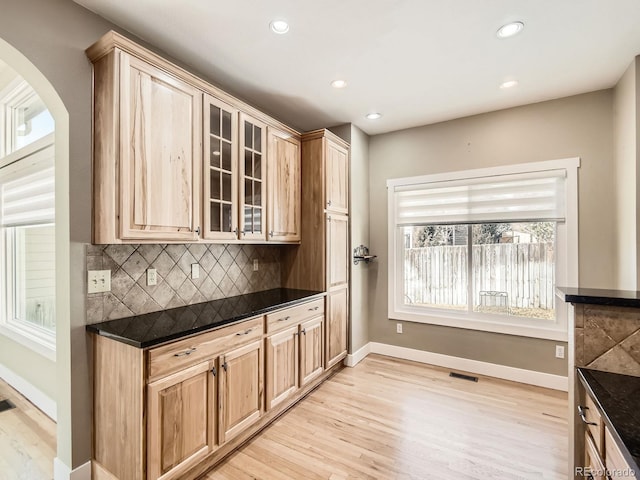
point(147, 153)
point(178, 160)
point(283, 173)
point(220, 211)
point(337, 181)
point(253, 138)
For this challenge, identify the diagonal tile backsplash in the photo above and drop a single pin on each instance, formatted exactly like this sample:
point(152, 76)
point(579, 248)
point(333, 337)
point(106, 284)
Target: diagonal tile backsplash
point(225, 271)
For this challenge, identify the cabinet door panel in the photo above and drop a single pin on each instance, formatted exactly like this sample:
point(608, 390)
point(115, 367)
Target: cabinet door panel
point(311, 350)
point(336, 321)
point(160, 154)
point(252, 161)
point(337, 181)
point(284, 187)
point(337, 251)
point(180, 424)
point(220, 170)
point(241, 389)
point(282, 366)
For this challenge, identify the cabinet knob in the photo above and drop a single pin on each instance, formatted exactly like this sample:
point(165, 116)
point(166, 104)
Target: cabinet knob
point(235, 231)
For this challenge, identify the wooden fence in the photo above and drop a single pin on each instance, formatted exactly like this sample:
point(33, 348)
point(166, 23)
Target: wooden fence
point(506, 274)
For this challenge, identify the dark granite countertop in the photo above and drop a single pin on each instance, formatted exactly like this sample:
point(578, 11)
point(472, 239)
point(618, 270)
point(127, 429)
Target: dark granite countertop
point(152, 329)
point(597, 296)
point(618, 397)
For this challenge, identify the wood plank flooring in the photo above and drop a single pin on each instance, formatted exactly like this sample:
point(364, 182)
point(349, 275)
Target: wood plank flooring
point(27, 440)
point(394, 419)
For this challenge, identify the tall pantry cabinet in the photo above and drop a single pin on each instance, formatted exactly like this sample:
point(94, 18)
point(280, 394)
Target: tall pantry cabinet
point(321, 261)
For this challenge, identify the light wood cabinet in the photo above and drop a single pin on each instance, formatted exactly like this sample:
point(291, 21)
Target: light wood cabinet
point(220, 186)
point(175, 410)
point(337, 178)
point(311, 350)
point(241, 389)
point(283, 171)
point(282, 365)
point(182, 420)
point(295, 350)
point(337, 326)
point(337, 252)
point(147, 153)
point(253, 145)
point(178, 160)
point(322, 261)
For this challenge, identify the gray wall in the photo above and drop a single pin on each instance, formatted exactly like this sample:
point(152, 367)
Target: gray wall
point(53, 34)
point(626, 115)
point(569, 127)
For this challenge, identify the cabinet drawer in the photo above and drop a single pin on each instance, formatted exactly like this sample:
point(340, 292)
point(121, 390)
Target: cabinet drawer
point(616, 464)
point(183, 353)
point(593, 422)
point(290, 316)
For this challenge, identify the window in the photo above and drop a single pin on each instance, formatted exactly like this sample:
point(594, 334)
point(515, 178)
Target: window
point(27, 220)
point(484, 249)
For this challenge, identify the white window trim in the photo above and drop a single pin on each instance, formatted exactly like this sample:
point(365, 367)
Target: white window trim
point(566, 259)
point(30, 336)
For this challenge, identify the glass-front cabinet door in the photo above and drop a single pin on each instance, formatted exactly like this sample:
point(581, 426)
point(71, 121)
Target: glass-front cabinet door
point(252, 178)
point(220, 172)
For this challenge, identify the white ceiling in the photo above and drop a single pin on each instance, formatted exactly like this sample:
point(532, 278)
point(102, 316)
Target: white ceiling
point(415, 61)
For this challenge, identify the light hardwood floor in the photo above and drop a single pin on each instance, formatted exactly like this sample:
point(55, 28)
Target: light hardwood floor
point(394, 419)
point(27, 440)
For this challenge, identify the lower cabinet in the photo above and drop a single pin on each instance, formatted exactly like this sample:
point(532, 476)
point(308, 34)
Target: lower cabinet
point(241, 389)
point(294, 358)
point(181, 421)
point(337, 318)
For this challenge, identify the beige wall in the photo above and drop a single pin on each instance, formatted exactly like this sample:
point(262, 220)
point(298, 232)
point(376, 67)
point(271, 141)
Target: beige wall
point(569, 127)
point(30, 366)
point(625, 125)
point(53, 34)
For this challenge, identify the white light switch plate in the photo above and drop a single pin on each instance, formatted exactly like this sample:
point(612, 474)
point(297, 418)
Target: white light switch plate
point(195, 270)
point(152, 277)
point(98, 281)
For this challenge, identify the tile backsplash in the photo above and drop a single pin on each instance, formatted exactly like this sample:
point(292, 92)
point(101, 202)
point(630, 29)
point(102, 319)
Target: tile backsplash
point(608, 338)
point(225, 271)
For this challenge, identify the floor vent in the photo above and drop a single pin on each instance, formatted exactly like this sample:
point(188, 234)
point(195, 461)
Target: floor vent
point(463, 377)
point(6, 405)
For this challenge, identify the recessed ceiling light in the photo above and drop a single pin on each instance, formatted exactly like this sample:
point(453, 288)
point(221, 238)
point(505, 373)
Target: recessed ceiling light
point(373, 115)
point(339, 83)
point(279, 26)
point(508, 84)
point(510, 29)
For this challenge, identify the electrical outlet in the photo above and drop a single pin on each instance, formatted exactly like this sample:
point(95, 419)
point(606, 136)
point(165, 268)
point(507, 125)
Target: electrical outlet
point(255, 264)
point(152, 277)
point(98, 281)
point(398, 328)
point(559, 351)
point(195, 270)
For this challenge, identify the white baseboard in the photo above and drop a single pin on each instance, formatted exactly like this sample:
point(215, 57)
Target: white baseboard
point(33, 394)
point(530, 377)
point(354, 358)
point(62, 472)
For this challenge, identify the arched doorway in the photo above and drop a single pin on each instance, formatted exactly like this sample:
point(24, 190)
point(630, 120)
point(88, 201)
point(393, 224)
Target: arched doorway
point(28, 119)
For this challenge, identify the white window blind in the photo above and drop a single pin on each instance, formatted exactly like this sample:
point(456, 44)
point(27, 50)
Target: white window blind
point(515, 197)
point(27, 190)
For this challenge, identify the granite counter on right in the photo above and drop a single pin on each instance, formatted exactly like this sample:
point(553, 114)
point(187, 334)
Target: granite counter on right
point(604, 393)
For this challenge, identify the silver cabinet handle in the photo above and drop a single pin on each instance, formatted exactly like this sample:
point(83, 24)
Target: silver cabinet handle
point(197, 230)
point(329, 203)
point(314, 309)
point(583, 415)
point(284, 319)
point(246, 332)
point(304, 331)
point(185, 353)
point(271, 233)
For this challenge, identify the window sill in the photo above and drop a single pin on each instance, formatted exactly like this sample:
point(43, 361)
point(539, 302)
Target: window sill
point(556, 332)
point(39, 345)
